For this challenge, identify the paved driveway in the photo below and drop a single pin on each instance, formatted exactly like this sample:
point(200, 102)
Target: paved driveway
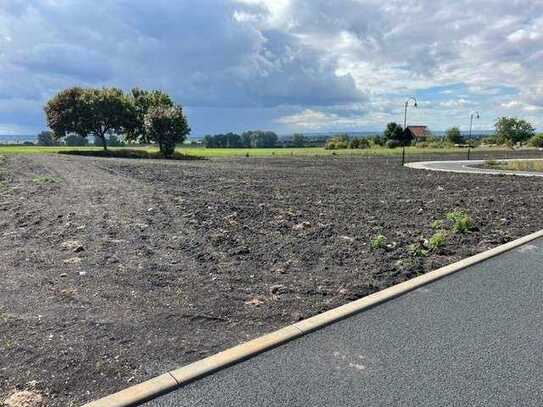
point(474, 338)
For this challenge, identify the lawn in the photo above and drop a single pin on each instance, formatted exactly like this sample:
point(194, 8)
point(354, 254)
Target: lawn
point(258, 152)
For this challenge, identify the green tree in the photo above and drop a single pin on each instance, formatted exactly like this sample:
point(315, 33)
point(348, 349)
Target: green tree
point(393, 131)
point(143, 100)
point(298, 140)
point(454, 136)
point(166, 126)
point(510, 130)
point(46, 138)
point(90, 112)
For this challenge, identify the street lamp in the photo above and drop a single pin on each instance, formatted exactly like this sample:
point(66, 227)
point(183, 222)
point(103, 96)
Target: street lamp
point(471, 117)
point(406, 105)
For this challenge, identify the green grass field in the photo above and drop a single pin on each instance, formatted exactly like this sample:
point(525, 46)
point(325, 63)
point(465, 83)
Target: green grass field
point(257, 152)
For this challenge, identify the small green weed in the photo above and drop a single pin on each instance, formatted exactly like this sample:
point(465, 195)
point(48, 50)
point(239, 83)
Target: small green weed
point(437, 241)
point(437, 224)
point(46, 179)
point(461, 221)
point(417, 250)
point(378, 242)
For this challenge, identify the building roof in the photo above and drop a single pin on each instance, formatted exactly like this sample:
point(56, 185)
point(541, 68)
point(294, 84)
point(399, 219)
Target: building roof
point(418, 131)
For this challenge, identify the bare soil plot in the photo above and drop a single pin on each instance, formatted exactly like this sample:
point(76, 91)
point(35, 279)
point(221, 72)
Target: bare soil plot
point(113, 271)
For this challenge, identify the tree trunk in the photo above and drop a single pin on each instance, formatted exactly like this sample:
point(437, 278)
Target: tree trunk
point(103, 138)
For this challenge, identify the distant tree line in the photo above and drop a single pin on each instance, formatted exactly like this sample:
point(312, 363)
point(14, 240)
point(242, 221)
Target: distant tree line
point(140, 116)
point(47, 138)
point(248, 139)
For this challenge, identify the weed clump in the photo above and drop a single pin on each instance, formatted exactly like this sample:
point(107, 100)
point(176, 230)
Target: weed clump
point(378, 242)
point(46, 179)
point(437, 241)
point(461, 221)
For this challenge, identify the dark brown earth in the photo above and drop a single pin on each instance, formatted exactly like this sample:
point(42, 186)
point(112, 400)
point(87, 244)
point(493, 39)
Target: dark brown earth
point(113, 271)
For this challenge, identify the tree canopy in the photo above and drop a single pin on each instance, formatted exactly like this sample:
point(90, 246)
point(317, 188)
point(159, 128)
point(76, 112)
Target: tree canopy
point(510, 130)
point(166, 126)
point(107, 113)
point(142, 101)
point(90, 112)
point(393, 131)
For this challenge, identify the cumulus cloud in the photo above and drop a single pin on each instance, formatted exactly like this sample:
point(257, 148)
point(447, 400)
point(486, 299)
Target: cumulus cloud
point(290, 62)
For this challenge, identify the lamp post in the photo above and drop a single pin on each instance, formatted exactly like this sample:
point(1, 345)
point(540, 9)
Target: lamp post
point(406, 105)
point(471, 117)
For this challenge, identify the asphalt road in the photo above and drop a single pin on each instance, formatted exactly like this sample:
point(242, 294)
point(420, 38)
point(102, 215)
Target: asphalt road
point(467, 167)
point(474, 338)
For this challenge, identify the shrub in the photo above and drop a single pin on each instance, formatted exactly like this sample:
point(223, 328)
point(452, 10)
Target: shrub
point(461, 221)
point(489, 140)
point(359, 143)
point(537, 141)
point(338, 142)
point(393, 143)
point(437, 241)
point(454, 136)
point(378, 242)
point(377, 140)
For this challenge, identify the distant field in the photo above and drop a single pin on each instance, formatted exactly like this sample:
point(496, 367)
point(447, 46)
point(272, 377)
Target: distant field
point(319, 151)
point(258, 152)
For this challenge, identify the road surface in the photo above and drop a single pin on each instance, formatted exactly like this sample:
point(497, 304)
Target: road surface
point(474, 338)
point(468, 167)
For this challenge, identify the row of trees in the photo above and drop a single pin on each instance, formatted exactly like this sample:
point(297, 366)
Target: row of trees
point(509, 131)
point(140, 116)
point(248, 139)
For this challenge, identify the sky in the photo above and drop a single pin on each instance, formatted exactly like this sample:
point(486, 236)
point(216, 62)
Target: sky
point(282, 65)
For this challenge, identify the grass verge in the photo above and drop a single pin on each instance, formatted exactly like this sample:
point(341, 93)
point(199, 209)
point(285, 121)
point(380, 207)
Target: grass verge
point(517, 165)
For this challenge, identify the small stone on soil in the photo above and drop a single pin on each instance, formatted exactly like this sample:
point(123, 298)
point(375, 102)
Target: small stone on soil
point(302, 226)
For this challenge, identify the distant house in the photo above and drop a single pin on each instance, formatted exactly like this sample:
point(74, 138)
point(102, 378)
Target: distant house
point(418, 133)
